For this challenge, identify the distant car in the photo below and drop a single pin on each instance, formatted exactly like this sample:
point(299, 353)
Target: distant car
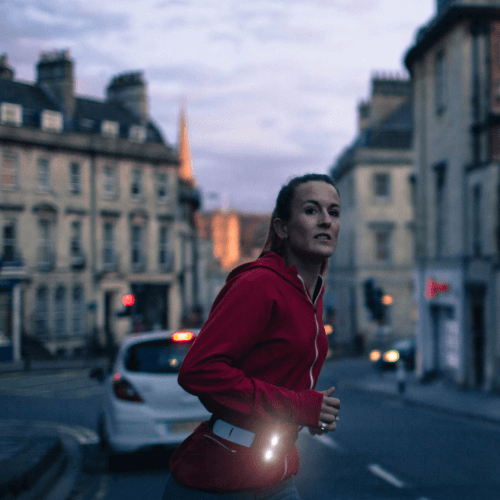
point(144, 406)
point(386, 359)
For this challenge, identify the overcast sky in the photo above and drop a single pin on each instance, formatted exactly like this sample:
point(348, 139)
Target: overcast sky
point(271, 86)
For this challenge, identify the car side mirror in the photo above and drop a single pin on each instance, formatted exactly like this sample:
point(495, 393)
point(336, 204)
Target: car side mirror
point(98, 374)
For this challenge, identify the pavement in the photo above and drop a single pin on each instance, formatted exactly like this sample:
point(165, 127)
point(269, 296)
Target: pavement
point(36, 463)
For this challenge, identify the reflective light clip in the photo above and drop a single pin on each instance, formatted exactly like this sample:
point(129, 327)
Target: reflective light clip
point(269, 453)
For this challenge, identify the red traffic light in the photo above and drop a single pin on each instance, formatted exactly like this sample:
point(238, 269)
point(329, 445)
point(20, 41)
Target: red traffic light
point(128, 300)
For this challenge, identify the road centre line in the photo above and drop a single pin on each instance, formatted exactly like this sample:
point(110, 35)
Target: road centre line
point(386, 476)
point(328, 441)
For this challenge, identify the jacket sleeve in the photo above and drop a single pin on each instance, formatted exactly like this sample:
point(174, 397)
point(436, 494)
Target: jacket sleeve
point(235, 325)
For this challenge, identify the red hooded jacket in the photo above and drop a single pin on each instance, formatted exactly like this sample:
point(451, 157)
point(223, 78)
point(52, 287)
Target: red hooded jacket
point(254, 364)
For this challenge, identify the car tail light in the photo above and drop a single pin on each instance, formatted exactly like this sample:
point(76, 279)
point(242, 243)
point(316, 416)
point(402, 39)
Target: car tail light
point(182, 337)
point(124, 390)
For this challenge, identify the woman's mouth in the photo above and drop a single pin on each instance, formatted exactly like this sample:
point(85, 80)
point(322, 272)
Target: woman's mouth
point(323, 236)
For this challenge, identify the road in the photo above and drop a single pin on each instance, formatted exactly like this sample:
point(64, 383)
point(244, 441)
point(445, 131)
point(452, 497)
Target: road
point(383, 449)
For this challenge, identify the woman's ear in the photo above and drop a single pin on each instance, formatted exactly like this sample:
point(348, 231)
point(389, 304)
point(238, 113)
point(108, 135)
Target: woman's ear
point(281, 228)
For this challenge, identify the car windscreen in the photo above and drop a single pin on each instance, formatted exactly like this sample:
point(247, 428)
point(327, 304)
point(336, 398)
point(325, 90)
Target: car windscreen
point(156, 356)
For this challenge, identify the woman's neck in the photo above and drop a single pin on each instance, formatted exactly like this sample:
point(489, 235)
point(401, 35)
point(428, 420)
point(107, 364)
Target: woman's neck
point(307, 270)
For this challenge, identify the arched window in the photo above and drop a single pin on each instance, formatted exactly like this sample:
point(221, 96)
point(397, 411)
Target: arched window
point(42, 312)
point(78, 311)
point(60, 312)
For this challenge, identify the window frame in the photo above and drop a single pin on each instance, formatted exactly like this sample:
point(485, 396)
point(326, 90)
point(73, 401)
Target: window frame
point(110, 181)
point(44, 178)
point(75, 178)
point(382, 198)
point(9, 155)
point(137, 181)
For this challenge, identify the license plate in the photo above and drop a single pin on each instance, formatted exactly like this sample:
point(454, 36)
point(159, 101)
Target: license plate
point(182, 426)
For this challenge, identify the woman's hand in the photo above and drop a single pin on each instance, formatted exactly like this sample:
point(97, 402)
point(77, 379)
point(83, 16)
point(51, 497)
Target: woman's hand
point(330, 408)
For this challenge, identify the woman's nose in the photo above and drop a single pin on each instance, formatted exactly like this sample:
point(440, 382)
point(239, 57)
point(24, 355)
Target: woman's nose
point(325, 219)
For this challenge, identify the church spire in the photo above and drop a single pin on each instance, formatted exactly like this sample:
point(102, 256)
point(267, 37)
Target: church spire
point(184, 149)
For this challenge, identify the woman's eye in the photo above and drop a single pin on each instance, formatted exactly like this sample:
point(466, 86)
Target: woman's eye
point(310, 210)
point(335, 213)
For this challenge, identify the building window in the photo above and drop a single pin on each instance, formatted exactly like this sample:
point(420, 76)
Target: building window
point(137, 247)
point(10, 167)
point(42, 312)
point(9, 250)
point(60, 312)
point(78, 311)
point(476, 220)
point(109, 128)
point(77, 259)
point(412, 179)
point(137, 133)
point(165, 259)
point(11, 114)
point(440, 77)
point(75, 181)
point(52, 121)
point(162, 183)
point(440, 207)
point(110, 183)
point(43, 169)
point(136, 187)
point(109, 255)
point(382, 188)
point(45, 253)
point(382, 245)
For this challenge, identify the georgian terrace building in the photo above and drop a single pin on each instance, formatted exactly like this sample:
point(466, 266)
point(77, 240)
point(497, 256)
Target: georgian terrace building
point(91, 209)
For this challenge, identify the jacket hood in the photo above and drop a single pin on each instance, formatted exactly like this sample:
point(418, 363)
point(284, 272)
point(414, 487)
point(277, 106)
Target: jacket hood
point(272, 261)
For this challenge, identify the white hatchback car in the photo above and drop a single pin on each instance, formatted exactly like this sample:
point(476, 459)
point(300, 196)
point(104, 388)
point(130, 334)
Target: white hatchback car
point(144, 406)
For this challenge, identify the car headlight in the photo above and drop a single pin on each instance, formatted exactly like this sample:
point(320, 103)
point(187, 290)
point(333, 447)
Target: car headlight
point(375, 355)
point(391, 356)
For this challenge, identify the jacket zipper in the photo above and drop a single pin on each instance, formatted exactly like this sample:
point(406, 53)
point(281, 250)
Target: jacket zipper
point(317, 331)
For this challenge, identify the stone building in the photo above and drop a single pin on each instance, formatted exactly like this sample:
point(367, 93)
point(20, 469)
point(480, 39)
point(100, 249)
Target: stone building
point(91, 209)
point(374, 177)
point(455, 67)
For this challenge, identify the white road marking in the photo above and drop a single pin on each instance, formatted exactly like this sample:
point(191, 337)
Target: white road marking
point(386, 476)
point(83, 435)
point(328, 441)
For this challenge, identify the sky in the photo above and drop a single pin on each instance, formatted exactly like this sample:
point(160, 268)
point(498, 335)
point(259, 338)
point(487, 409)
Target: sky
point(271, 86)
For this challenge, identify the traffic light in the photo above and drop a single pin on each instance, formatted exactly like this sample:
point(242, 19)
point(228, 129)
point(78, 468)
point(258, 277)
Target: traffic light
point(374, 301)
point(379, 309)
point(369, 294)
point(128, 301)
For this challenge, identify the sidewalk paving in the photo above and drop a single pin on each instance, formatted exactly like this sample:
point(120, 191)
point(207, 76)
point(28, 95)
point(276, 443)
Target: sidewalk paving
point(30, 463)
point(439, 395)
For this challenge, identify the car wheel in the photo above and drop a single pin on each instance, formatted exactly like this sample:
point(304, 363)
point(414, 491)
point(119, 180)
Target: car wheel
point(111, 459)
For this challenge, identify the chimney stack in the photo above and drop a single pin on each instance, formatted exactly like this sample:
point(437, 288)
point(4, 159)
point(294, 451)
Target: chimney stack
point(129, 89)
point(55, 76)
point(389, 92)
point(6, 72)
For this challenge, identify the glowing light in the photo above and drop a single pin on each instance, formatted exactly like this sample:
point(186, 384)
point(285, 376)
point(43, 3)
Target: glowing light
point(391, 356)
point(117, 376)
point(182, 336)
point(128, 300)
point(268, 455)
point(328, 329)
point(174, 362)
point(387, 300)
point(375, 355)
point(274, 440)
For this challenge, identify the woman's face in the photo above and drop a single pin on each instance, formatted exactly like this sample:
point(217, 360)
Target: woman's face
point(312, 231)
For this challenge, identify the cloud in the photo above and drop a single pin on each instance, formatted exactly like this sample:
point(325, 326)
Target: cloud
point(49, 20)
